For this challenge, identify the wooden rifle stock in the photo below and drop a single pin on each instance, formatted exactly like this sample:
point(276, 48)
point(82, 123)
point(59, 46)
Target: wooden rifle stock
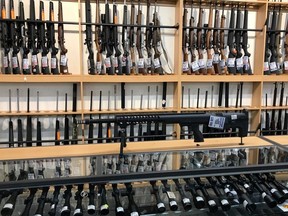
point(210, 68)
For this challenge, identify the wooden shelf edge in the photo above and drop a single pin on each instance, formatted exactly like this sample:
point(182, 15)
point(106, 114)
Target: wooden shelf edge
point(213, 109)
point(276, 78)
point(221, 78)
point(87, 150)
point(39, 78)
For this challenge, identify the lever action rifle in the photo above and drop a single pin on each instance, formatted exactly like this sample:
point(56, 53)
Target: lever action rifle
point(117, 63)
point(239, 59)
point(13, 38)
point(61, 41)
point(41, 40)
point(246, 61)
point(5, 40)
point(88, 40)
point(148, 40)
point(51, 40)
point(200, 44)
point(74, 109)
point(210, 68)
point(32, 32)
point(185, 66)
point(230, 42)
point(141, 62)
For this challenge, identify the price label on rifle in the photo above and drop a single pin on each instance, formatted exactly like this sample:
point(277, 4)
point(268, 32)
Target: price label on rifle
point(216, 58)
point(285, 65)
point(44, 61)
point(53, 63)
point(25, 64)
point(63, 60)
point(239, 62)
point(124, 61)
point(34, 60)
point(115, 62)
point(88, 64)
point(273, 66)
point(209, 63)
point(125, 168)
point(14, 62)
point(201, 63)
point(157, 63)
point(149, 62)
point(140, 168)
point(5, 62)
point(107, 62)
point(222, 63)
point(195, 66)
point(266, 66)
point(133, 168)
point(231, 62)
point(31, 176)
point(171, 195)
point(245, 60)
point(185, 66)
point(217, 122)
point(141, 63)
point(98, 67)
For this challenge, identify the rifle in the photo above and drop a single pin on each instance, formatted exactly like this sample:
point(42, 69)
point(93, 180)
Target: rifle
point(29, 201)
point(285, 132)
point(41, 40)
point(239, 59)
point(272, 47)
point(273, 121)
point(39, 137)
point(278, 43)
point(91, 209)
point(13, 38)
point(61, 42)
point(131, 139)
point(32, 32)
point(133, 208)
point(155, 191)
point(11, 133)
point(271, 178)
point(66, 209)
point(185, 66)
point(267, 53)
point(57, 124)
point(279, 122)
point(267, 117)
point(200, 44)
point(54, 201)
point(148, 40)
point(100, 126)
point(246, 61)
point(118, 206)
point(74, 121)
point(285, 68)
point(19, 124)
point(66, 124)
point(22, 39)
point(223, 62)
point(104, 207)
point(197, 198)
point(41, 201)
point(117, 63)
point(192, 45)
point(78, 197)
point(141, 62)
point(99, 63)
point(155, 41)
point(230, 42)
point(210, 68)
point(88, 40)
point(4, 40)
point(131, 38)
point(125, 43)
point(122, 95)
point(184, 199)
point(91, 126)
point(51, 40)
point(107, 40)
point(171, 196)
point(29, 122)
point(216, 44)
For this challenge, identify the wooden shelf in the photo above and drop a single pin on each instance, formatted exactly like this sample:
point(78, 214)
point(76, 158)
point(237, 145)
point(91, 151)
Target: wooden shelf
point(218, 109)
point(40, 78)
point(274, 108)
point(221, 78)
point(275, 78)
point(41, 113)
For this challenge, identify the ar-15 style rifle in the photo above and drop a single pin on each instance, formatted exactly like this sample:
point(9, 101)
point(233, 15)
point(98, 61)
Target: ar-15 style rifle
point(42, 43)
point(239, 59)
point(32, 39)
point(185, 66)
point(117, 63)
point(141, 61)
point(5, 40)
point(88, 40)
point(246, 61)
point(61, 41)
point(210, 68)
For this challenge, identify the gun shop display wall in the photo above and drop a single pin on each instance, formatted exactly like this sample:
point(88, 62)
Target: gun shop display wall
point(143, 107)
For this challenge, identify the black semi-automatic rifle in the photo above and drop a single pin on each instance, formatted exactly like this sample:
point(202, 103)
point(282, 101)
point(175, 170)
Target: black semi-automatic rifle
point(66, 209)
point(29, 122)
point(74, 109)
point(132, 39)
point(88, 40)
point(239, 59)
point(279, 121)
point(28, 202)
point(41, 202)
point(118, 206)
point(246, 61)
point(5, 40)
point(273, 114)
point(125, 42)
point(272, 44)
point(192, 43)
point(66, 123)
point(13, 37)
point(148, 40)
point(230, 42)
point(54, 201)
point(78, 197)
point(98, 41)
point(107, 40)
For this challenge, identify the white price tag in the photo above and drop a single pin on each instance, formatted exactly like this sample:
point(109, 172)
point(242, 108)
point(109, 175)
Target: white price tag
point(201, 63)
point(34, 60)
point(133, 168)
point(209, 63)
point(5, 61)
point(77, 211)
point(88, 64)
point(157, 63)
point(125, 168)
point(245, 60)
point(239, 62)
point(273, 66)
point(53, 63)
point(245, 203)
point(107, 62)
point(195, 66)
point(109, 171)
point(14, 62)
point(120, 209)
point(134, 214)
point(286, 65)
point(224, 202)
point(211, 202)
point(217, 122)
point(246, 186)
point(44, 61)
point(231, 62)
point(171, 195)
point(216, 59)
point(149, 62)
point(98, 66)
point(222, 63)
point(140, 168)
point(185, 66)
point(285, 191)
point(52, 206)
point(198, 199)
point(273, 190)
point(31, 176)
point(25, 64)
point(234, 192)
point(141, 63)
point(115, 62)
point(63, 60)
point(266, 66)
point(226, 190)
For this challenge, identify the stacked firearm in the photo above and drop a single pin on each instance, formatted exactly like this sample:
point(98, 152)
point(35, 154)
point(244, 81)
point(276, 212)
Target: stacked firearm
point(204, 41)
point(250, 191)
point(27, 38)
point(112, 58)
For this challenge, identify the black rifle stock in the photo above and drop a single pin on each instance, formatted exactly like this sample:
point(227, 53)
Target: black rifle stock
point(91, 126)
point(118, 66)
point(118, 206)
point(78, 197)
point(91, 209)
point(148, 40)
point(279, 121)
point(133, 208)
point(185, 65)
point(29, 122)
point(4, 40)
point(29, 201)
point(41, 201)
point(238, 47)
point(216, 43)
point(246, 61)
point(125, 42)
point(66, 209)
point(54, 201)
point(74, 109)
point(230, 42)
point(272, 44)
point(104, 207)
point(13, 38)
point(273, 121)
point(141, 61)
point(66, 124)
point(10, 132)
